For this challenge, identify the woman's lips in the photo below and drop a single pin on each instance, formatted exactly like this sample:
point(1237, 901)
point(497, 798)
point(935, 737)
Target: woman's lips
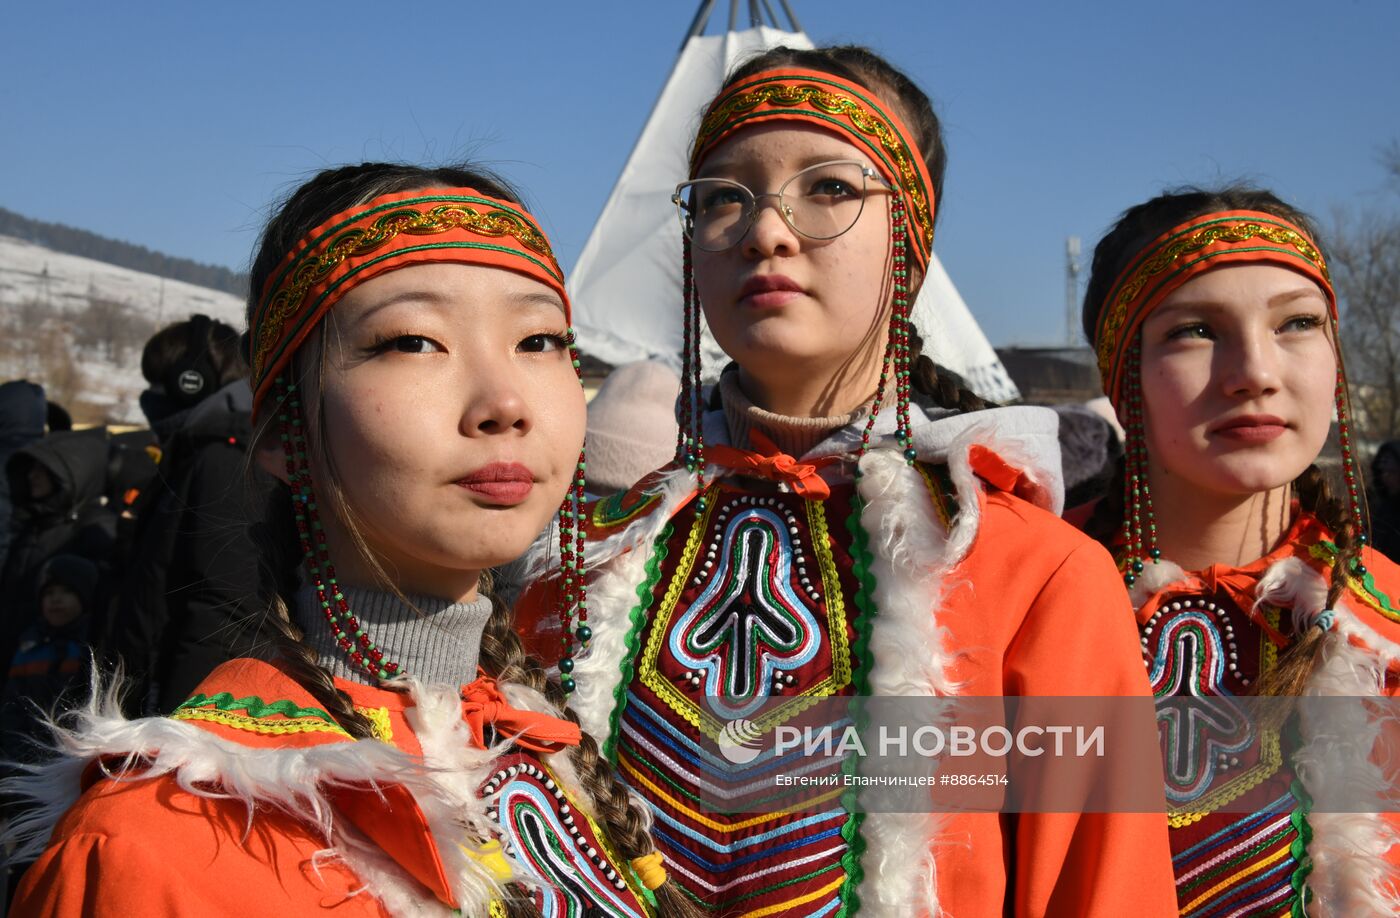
point(767, 291)
point(1252, 429)
point(504, 483)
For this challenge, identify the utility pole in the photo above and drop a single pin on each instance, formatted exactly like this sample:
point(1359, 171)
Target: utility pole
point(1072, 290)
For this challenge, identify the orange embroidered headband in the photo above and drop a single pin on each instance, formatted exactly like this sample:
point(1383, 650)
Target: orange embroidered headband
point(1199, 245)
point(836, 105)
point(390, 232)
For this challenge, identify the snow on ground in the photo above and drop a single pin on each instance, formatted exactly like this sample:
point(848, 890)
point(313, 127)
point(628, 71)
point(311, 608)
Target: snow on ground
point(89, 356)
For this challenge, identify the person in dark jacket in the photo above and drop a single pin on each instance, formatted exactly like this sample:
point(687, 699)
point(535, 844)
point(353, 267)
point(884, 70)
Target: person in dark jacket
point(57, 488)
point(183, 607)
point(50, 669)
point(22, 409)
point(50, 666)
point(1385, 500)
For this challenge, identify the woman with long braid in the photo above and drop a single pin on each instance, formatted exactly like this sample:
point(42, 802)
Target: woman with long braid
point(1215, 325)
point(416, 393)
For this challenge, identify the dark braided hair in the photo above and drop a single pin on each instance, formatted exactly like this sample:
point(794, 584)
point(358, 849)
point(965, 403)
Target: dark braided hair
point(278, 562)
point(625, 820)
point(857, 64)
point(502, 655)
point(1137, 227)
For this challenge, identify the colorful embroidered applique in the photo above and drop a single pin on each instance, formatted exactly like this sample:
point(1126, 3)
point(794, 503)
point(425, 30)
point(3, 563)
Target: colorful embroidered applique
point(556, 843)
point(747, 612)
point(1242, 864)
point(746, 615)
point(1234, 818)
point(1197, 665)
point(620, 509)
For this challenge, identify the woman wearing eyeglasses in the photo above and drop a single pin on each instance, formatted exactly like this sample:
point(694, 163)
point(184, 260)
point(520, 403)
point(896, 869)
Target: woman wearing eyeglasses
point(842, 520)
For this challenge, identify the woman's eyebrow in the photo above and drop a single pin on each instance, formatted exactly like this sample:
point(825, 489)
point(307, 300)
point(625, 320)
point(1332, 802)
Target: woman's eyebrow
point(1202, 305)
point(541, 300)
point(1298, 293)
point(425, 296)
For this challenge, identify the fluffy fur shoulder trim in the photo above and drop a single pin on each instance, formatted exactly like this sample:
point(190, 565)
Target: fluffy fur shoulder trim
point(1351, 875)
point(302, 782)
point(1155, 578)
point(911, 554)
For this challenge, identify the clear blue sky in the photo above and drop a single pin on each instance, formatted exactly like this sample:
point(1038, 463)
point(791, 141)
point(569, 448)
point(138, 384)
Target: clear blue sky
point(173, 125)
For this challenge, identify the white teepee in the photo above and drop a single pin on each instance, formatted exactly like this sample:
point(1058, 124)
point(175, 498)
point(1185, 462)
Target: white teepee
point(626, 287)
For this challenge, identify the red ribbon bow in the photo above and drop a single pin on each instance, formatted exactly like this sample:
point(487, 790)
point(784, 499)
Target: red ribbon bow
point(1218, 578)
point(483, 705)
point(775, 465)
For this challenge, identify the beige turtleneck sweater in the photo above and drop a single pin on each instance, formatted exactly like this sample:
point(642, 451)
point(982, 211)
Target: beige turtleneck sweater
point(794, 436)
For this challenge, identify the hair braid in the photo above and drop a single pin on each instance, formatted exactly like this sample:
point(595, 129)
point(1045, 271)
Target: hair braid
point(278, 564)
point(1301, 660)
point(942, 386)
point(628, 825)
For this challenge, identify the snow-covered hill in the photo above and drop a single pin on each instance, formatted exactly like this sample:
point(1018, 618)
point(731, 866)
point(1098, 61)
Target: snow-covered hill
point(77, 325)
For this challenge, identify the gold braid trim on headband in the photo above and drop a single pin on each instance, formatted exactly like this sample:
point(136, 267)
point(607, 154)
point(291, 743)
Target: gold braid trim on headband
point(862, 115)
point(1160, 261)
point(287, 301)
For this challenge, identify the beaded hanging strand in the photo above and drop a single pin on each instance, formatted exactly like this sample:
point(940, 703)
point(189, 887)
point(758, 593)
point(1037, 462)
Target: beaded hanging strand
point(573, 591)
point(683, 430)
point(349, 634)
point(1343, 399)
point(895, 360)
point(691, 435)
point(1139, 521)
point(899, 330)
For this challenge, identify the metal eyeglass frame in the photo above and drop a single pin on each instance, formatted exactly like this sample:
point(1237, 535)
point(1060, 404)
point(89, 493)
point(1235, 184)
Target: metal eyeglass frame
point(784, 209)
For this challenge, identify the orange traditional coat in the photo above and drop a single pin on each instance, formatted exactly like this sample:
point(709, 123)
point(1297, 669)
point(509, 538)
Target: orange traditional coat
point(951, 580)
point(250, 800)
point(1244, 838)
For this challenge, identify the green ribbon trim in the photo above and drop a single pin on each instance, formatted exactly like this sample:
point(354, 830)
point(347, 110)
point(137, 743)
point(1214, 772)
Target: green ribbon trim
point(254, 706)
point(1327, 552)
point(636, 619)
point(1298, 904)
point(861, 662)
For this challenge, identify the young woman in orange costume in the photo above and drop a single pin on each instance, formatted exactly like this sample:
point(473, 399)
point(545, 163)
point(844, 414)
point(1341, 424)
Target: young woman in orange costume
point(842, 520)
point(416, 391)
point(1215, 323)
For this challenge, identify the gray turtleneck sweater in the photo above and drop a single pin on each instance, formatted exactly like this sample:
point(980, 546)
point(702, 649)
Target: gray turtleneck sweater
point(439, 641)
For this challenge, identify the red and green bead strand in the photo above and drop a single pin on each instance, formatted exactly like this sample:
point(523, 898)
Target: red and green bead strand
point(690, 438)
point(684, 439)
point(573, 601)
point(1349, 475)
point(347, 631)
point(899, 329)
point(896, 360)
point(1139, 521)
point(573, 608)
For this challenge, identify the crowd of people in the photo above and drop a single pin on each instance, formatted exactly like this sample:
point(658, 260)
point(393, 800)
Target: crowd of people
point(378, 618)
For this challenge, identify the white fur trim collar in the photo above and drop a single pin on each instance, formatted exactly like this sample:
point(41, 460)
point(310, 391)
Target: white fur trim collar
point(300, 782)
point(1351, 874)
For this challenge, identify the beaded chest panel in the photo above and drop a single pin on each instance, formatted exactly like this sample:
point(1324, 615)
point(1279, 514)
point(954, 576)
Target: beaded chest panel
point(750, 618)
point(579, 876)
point(1237, 816)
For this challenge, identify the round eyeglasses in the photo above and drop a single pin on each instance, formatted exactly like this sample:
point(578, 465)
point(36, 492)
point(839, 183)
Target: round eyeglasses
point(820, 202)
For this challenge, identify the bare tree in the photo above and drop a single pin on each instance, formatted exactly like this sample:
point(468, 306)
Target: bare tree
point(1366, 270)
point(112, 327)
